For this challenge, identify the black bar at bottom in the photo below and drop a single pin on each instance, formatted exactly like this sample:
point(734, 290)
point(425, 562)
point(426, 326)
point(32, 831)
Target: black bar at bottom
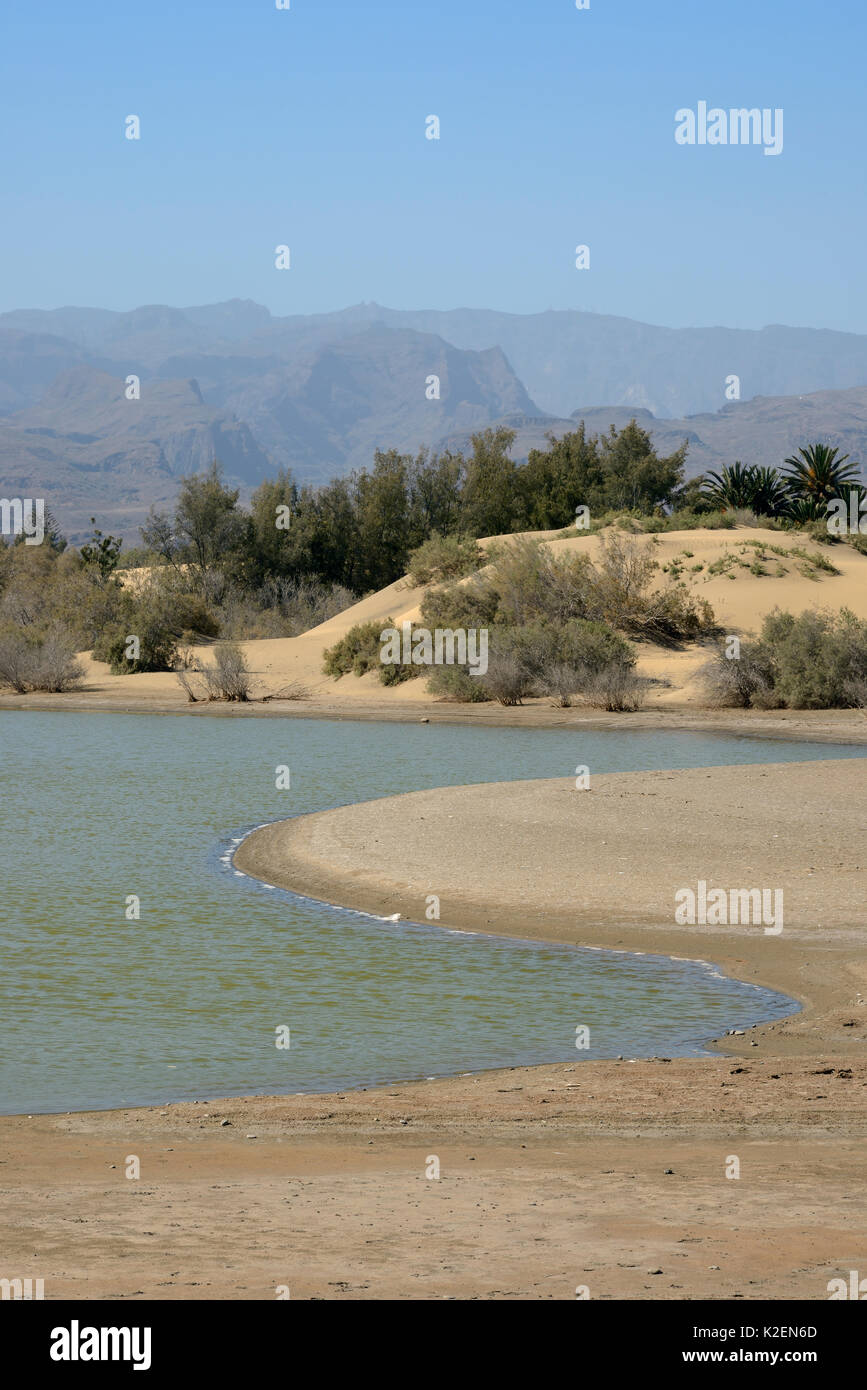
point(152, 1338)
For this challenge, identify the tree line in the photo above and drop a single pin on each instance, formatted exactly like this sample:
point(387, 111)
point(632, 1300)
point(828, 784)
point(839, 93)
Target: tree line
point(359, 531)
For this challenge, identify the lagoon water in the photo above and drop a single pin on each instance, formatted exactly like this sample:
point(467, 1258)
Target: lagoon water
point(99, 1011)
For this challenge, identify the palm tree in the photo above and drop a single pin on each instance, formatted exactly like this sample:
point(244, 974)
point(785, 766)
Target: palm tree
point(770, 493)
point(800, 510)
point(819, 475)
point(733, 487)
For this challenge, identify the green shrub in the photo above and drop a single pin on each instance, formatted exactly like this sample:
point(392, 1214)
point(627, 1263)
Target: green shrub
point(456, 683)
point(157, 649)
point(160, 617)
point(567, 660)
point(688, 520)
point(814, 661)
point(817, 531)
point(395, 672)
point(530, 581)
point(591, 645)
point(820, 659)
point(359, 651)
point(445, 557)
point(537, 659)
point(683, 519)
point(461, 605)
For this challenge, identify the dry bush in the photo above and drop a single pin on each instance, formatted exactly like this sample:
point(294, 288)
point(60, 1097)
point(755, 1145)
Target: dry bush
point(616, 688)
point(626, 595)
point(14, 661)
point(507, 678)
point(738, 683)
point(46, 663)
point(855, 692)
point(186, 679)
point(55, 666)
point(227, 679)
point(295, 690)
point(562, 681)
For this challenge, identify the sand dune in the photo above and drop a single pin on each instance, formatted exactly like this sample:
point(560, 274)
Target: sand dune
point(739, 598)
point(740, 604)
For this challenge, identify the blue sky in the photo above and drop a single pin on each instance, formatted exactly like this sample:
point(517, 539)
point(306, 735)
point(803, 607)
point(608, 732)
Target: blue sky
point(307, 127)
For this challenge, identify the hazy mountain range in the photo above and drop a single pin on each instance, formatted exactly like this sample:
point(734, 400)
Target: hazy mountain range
point(318, 393)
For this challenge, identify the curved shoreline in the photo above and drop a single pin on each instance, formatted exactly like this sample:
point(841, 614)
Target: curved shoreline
point(708, 1043)
point(387, 856)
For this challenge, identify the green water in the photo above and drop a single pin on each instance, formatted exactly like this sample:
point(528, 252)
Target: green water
point(97, 1010)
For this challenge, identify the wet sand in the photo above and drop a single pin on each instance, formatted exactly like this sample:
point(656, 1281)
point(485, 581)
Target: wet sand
point(607, 1175)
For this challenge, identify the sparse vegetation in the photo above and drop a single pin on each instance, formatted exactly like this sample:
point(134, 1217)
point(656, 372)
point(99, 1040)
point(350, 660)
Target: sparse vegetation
point(526, 581)
point(754, 556)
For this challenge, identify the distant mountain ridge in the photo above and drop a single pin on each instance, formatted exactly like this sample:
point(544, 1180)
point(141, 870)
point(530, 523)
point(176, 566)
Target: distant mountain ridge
point(568, 356)
point(319, 393)
point(560, 356)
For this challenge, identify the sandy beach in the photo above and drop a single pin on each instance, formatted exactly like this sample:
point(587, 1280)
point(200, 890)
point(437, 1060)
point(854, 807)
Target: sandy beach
point(607, 1176)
